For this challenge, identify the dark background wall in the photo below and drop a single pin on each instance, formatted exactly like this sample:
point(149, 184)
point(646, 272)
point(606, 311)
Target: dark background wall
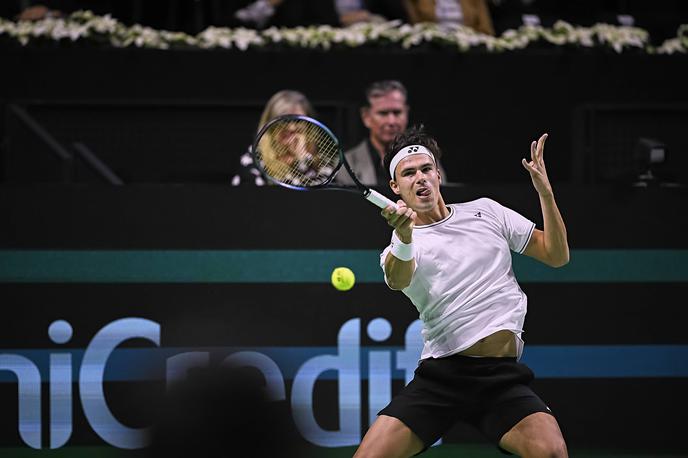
point(590, 330)
point(187, 115)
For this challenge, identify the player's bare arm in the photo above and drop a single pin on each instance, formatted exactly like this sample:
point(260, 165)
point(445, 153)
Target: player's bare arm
point(403, 219)
point(549, 246)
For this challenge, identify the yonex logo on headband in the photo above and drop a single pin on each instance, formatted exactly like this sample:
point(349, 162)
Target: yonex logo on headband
point(406, 151)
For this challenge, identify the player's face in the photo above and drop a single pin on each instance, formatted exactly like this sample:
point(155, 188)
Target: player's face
point(417, 182)
point(387, 117)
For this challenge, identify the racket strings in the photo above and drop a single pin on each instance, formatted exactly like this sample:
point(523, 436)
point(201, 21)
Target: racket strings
point(298, 152)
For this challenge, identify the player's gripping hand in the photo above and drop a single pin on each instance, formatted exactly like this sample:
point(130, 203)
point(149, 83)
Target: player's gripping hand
point(403, 219)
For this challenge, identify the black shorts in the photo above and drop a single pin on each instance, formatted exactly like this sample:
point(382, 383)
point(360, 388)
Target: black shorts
point(492, 394)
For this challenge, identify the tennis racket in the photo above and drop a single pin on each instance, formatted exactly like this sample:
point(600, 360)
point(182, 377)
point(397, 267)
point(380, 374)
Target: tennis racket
point(301, 153)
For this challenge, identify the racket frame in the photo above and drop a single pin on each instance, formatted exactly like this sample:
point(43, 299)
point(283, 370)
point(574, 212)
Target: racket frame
point(369, 194)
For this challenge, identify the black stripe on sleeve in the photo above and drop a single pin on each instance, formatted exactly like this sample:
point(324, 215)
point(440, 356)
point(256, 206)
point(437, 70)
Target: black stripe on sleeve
point(523, 248)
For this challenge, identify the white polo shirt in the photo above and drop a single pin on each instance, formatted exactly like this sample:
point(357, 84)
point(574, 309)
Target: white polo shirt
point(464, 286)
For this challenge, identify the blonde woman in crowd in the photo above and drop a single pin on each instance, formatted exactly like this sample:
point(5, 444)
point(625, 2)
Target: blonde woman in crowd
point(281, 103)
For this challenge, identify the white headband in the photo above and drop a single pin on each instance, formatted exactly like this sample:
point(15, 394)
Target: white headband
point(405, 152)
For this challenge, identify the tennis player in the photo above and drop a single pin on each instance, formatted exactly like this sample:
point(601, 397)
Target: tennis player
point(454, 263)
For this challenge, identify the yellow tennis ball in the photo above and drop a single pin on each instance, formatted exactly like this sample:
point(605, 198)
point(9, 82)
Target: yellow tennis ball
point(343, 278)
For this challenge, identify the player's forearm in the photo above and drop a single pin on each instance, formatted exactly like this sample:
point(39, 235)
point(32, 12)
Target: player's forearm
point(555, 237)
point(398, 272)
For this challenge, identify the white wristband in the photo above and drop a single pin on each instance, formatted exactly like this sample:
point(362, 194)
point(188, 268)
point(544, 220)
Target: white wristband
point(400, 250)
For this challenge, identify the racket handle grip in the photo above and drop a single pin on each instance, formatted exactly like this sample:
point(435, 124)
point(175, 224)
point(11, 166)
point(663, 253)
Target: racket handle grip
point(378, 199)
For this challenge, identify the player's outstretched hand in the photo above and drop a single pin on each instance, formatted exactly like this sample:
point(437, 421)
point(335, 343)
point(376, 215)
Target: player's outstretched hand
point(536, 167)
point(403, 219)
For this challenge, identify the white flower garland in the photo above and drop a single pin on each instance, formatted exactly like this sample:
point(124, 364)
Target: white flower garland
point(84, 25)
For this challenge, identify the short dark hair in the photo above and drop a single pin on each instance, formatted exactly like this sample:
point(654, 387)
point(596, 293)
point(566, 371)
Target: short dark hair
point(384, 87)
point(415, 135)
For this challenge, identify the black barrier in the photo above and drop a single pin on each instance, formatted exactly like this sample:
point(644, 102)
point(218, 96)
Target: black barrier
point(483, 108)
point(110, 293)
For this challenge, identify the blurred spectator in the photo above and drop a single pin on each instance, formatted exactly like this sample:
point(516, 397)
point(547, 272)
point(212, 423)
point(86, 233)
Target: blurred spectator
point(354, 11)
point(37, 12)
point(386, 116)
point(278, 13)
point(257, 13)
point(282, 103)
point(223, 412)
point(26, 10)
point(471, 13)
point(291, 13)
point(127, 12)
